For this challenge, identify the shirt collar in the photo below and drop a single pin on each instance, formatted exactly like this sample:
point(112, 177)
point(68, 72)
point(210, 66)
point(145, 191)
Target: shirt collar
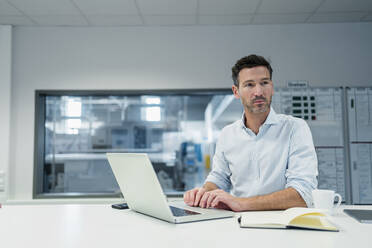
point(272, 118)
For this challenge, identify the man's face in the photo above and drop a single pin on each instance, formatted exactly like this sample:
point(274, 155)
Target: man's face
point(255, 89)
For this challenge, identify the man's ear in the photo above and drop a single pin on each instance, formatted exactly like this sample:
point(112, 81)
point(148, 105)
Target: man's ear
point(235, 90)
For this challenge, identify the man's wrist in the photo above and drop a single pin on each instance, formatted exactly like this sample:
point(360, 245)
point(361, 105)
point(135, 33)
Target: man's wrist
point(243, 203)
point(247, 203)
point(206, 188)
point(209, 186)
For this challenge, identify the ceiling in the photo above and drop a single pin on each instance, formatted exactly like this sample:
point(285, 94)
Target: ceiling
point(181, 12)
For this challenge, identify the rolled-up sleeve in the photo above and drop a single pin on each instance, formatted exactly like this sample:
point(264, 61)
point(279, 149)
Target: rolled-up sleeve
point(302, 168)
point(220, 174)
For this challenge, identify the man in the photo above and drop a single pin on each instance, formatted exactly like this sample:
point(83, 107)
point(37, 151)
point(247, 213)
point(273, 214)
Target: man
point(266, 160)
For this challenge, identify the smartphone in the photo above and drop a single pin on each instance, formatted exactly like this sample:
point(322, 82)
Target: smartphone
point(120, 206)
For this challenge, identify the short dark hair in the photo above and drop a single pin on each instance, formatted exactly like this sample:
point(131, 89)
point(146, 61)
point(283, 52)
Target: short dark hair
point(250, 61)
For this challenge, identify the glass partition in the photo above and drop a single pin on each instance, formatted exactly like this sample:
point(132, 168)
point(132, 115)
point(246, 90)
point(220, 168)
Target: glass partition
point(177, 129)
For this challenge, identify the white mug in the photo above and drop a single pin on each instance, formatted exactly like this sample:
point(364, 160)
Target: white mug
point(324, 199)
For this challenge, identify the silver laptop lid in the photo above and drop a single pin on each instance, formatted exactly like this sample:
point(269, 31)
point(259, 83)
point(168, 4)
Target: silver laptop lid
point(138, 182)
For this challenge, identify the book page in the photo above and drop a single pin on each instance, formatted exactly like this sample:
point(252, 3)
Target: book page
point(272, 218)
point(292, 213)
point(313, 221)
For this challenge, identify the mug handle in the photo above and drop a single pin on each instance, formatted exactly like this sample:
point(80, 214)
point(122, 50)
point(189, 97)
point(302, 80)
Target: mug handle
point(339, 200)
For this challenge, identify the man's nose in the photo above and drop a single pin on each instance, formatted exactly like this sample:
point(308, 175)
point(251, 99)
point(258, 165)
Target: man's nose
point(258, 90)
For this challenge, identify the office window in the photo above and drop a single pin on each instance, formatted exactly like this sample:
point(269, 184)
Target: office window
point(75, 129)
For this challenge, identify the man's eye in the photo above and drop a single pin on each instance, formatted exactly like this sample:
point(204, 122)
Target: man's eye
point(249, 85)
point(265, 83)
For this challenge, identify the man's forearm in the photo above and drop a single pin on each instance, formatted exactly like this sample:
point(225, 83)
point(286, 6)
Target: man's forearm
point(208, 186)
point(279, 200)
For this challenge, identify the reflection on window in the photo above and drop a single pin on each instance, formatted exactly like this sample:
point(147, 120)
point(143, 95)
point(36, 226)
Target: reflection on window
point(178, 132)
point(152, 100)
point(73, 107)
point(151, 113)
point(73, 123)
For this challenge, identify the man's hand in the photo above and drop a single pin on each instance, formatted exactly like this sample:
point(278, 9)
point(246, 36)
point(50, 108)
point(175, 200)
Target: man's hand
point(220, 199)
point(200, 197)
point(192, 197)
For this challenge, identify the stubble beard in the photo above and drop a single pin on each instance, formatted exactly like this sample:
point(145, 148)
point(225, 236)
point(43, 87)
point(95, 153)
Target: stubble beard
point(261, 108)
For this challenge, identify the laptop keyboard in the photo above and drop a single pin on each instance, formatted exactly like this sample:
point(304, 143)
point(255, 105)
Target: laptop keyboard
point(181, 212)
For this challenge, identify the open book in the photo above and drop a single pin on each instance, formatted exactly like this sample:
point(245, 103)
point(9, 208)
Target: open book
point(308, 218)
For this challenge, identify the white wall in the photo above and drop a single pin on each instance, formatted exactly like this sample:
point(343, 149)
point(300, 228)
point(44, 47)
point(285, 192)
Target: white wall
point(5, 84)
point(170, 57)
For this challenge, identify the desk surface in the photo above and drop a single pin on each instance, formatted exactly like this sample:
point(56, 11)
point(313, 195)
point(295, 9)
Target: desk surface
point(101, 226)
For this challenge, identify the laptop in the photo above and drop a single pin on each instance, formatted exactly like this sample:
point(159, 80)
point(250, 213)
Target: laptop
point(142, 191)
point(361, 215)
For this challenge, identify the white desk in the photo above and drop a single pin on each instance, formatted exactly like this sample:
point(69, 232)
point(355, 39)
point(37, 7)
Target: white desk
point(99, 225)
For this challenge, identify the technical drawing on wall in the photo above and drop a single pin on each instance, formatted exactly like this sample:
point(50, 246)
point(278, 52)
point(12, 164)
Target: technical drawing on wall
point(359, 105)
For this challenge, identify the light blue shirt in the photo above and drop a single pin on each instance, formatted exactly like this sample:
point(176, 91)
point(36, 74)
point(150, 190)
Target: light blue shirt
point(280, 156)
